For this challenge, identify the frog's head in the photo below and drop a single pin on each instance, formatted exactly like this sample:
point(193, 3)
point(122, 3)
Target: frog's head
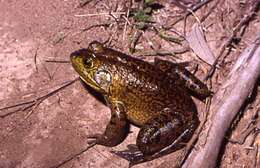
point(88, 65)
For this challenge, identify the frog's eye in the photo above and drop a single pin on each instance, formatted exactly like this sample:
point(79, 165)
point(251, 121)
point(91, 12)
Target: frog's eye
point(96, 47)
point(88, 62)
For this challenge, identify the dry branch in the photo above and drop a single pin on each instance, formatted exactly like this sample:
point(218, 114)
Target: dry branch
point(226, 104)
point(246, 18)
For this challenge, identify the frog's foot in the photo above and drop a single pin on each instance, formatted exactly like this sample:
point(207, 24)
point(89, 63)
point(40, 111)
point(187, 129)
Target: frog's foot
point(132, 154)
point(103, 139)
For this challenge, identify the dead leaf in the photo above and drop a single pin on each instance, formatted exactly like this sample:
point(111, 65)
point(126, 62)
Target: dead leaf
point(198, 44)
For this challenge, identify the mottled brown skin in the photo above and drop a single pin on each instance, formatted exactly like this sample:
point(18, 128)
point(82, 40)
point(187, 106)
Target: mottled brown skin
point(154, 97)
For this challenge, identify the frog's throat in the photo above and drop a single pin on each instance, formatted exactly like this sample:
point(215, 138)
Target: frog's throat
point(92, 84)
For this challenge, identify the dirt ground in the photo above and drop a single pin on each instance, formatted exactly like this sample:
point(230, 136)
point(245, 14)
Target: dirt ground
point(32, 32)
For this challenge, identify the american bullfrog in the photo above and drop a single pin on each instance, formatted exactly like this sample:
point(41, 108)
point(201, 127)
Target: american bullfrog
point(153, 96)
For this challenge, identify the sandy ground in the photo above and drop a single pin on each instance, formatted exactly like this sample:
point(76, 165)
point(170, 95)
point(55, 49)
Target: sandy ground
point(30, 33)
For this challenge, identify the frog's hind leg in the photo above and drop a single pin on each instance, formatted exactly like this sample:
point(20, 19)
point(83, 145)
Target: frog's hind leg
point(183, 77)
point(161, 135)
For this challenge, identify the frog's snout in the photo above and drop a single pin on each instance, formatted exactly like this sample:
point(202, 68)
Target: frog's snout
point(78, 53)
point(73, 55)
point(72, 58)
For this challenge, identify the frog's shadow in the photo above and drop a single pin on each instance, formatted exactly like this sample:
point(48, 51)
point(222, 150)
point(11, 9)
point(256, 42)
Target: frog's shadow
point(94, 93)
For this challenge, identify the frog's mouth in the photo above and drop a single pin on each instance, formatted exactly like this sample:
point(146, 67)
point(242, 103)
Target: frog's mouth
point(87, 75)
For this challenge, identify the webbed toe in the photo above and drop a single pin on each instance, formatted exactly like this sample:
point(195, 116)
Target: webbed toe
point(132, 154)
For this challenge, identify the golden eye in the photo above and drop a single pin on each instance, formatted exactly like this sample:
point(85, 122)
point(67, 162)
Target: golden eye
point(88, 63)
point(96, 47)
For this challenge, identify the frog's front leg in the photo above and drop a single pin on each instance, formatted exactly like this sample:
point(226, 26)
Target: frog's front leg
point(116, 130)
point(164, 133)
point(183, 77)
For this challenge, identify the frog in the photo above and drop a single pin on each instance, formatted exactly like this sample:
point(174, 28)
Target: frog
point(154, 96)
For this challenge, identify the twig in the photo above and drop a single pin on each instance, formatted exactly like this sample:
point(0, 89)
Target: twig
point(33, 109)
point(35, 58)
point(74, 156)
point(34, 102)
point(210, 11)
point(47, 71)
point(92, 26)
point(101, 154)
point(96, 25)
point(126, 22)
point(53, 73)
point(236, 29)
point(177, 32)
point(134, 40)
point(251, 126)
point(28, 105)
point(167, 37)
point(16, 105)
point(99, 14)
point(165, 53)
point(195, 137)
point(255, 157)
point(57, 61)
point(84, 2)
point(29, 114)
point(243, 136)
point(194, 8)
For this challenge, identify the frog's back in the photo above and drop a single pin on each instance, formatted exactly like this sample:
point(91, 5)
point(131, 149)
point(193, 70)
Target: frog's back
point(146, 91)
